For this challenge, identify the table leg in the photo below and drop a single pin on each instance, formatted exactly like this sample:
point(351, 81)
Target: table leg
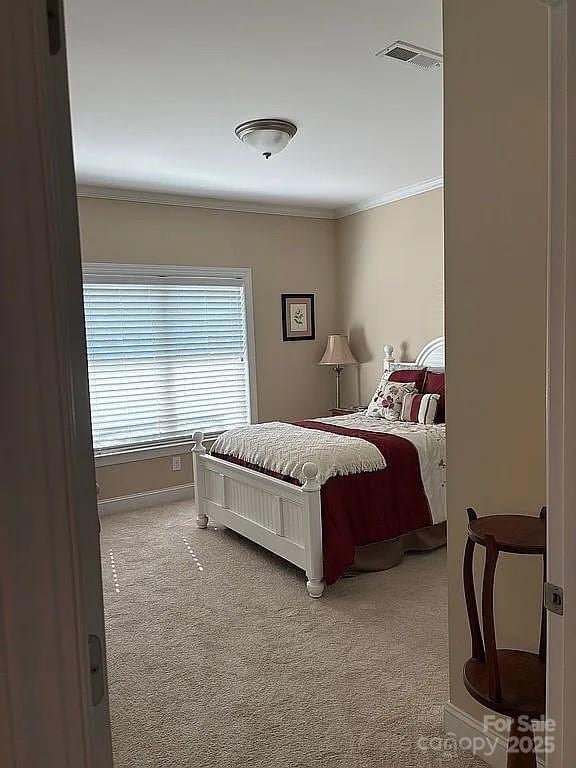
point(521, 745)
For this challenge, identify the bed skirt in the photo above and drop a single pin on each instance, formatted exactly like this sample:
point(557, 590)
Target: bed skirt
point(386, 554)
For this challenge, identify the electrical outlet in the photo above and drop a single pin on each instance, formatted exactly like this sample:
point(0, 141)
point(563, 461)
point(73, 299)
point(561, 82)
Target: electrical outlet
point(176, 463)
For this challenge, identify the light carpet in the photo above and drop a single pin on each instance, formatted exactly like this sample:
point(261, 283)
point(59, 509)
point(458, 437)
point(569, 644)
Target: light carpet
point(217, 658)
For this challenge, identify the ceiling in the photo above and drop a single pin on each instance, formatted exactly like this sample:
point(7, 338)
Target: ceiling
point(157, 89)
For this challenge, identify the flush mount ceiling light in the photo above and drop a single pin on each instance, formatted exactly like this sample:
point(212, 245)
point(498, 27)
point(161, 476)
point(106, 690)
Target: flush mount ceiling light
point(266, 137)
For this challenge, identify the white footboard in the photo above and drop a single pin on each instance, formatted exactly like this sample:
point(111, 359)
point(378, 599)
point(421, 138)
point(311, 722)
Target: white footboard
point(284, 518)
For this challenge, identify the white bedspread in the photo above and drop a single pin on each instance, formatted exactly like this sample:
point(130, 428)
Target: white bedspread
point(430, 442)
point(285, 448)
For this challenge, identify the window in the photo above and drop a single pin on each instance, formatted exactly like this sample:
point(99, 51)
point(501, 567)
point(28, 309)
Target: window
point(168, 353)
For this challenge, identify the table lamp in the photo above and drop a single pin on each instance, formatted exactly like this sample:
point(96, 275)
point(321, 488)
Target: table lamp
point(338, 354)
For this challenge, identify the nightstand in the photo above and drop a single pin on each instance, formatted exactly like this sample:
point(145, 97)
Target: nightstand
point(346, 411)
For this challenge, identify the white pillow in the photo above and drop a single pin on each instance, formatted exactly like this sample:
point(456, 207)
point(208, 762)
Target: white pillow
point(419, 409)
point(387, 400)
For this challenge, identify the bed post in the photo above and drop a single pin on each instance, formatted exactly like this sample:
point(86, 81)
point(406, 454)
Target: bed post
point(200, 491)
point(388, 357)
point(313, 526)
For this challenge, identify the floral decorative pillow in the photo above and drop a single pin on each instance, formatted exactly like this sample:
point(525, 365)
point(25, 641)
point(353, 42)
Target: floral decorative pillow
point(387, 400)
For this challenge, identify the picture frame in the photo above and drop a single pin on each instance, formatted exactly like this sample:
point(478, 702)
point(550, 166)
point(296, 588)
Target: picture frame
point(298, 317)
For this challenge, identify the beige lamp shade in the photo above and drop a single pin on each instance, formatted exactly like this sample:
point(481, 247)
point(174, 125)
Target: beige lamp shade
point(337, 351)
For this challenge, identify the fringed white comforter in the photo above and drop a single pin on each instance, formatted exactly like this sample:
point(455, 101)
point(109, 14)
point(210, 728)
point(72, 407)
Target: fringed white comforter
point(285, 448)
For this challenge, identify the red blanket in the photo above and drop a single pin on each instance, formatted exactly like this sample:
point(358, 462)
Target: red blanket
point(369, 506)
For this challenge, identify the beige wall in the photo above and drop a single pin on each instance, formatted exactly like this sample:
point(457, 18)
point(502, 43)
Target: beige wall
point(391, 285)
point(495, 211)
point(378, 274)
point(145, 475)
point(287, 254)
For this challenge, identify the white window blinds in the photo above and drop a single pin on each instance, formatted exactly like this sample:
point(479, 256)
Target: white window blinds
point(166, 357)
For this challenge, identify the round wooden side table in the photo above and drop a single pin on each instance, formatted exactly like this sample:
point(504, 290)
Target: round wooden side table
point(508, 681)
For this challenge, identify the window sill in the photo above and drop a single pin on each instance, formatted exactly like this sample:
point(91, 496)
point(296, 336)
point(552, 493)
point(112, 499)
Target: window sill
point(149, 452)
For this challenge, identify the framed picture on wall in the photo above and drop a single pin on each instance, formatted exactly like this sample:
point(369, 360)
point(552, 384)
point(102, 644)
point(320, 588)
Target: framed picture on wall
point(298, 317)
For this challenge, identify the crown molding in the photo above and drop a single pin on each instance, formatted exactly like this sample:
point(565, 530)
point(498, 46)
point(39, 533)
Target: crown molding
point(391, 197)
point(239, 206)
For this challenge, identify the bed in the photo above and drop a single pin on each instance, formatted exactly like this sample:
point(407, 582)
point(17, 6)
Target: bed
point(315, 519)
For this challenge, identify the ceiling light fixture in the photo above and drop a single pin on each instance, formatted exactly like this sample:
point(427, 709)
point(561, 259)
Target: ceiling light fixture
point(266, 137)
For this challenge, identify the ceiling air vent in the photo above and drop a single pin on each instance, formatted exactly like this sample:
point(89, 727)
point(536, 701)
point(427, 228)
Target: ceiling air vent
point(412, 54)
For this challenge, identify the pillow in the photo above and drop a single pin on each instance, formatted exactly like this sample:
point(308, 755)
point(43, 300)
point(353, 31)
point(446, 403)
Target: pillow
point(387, 400)
point(434, 385)
point(416, 375)
point(419, 409)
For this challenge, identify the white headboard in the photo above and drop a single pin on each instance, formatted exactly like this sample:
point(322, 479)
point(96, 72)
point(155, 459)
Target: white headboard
point(431, 356)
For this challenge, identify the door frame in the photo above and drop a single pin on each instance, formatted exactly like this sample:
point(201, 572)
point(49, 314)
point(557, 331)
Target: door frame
point(50, 582)
point(561, 378)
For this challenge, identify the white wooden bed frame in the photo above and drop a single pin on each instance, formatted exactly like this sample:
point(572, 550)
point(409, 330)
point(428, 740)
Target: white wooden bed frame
point(284, 518)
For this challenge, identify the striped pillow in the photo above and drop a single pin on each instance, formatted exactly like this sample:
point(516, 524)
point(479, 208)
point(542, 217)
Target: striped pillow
point(419, 409)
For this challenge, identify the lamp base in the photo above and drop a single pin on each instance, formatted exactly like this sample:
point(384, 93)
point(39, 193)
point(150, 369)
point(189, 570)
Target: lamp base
point(338, 370)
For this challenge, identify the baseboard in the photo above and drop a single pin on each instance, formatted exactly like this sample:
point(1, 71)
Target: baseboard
point(147, 499)
point(489, 746)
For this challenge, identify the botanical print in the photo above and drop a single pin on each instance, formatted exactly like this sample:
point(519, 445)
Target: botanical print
point(298, 317)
